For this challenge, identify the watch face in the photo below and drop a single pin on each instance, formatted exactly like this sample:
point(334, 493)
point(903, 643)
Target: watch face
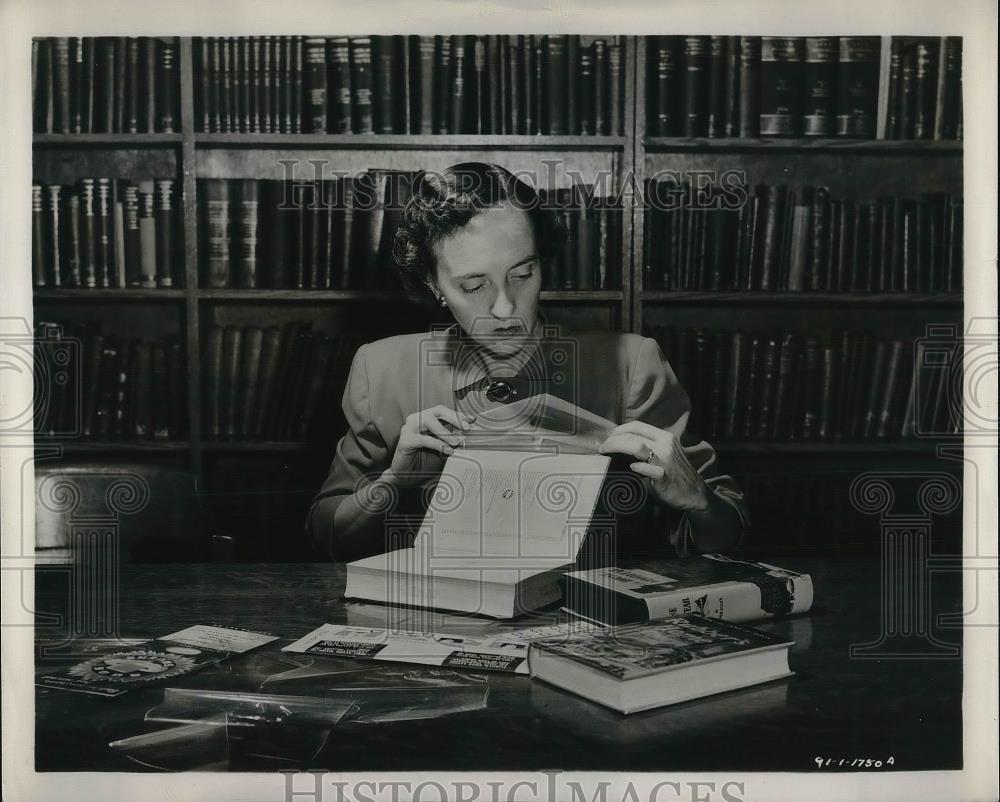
point(132, 666)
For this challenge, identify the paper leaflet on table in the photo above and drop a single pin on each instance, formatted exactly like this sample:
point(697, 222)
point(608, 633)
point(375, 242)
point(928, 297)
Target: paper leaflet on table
point(505, 652)
point(113, 673)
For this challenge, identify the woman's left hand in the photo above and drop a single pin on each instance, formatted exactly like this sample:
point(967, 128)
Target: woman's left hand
point(660, 457)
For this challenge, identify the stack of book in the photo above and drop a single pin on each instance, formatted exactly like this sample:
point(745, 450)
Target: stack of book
point(121, 388)
point(775, 237)
point(787, 386)
point(104, 232)
point(104, 85)
point(270, 384)
point(555, 84)
point(338, 233)
point(812, 86)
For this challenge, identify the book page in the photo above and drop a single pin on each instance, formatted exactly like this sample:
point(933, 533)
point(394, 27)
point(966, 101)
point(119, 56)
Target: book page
point(513, 505)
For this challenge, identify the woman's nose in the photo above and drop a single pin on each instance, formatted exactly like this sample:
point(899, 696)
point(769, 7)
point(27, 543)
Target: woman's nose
point(503, 306)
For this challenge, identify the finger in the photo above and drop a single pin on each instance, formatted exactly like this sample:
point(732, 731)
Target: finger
point(433, 444)
point(451, 416)
point(637, 427)
point(625, 444)
point(435, 427)
point(654, 472)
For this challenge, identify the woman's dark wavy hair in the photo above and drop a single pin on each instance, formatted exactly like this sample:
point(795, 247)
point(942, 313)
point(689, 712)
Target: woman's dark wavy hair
point(441, 203)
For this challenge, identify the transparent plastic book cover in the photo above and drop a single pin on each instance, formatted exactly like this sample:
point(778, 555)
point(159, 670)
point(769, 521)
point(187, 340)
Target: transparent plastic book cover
point(276, 710)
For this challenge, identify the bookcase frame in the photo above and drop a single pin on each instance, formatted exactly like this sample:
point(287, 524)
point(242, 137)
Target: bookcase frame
point(629, 155)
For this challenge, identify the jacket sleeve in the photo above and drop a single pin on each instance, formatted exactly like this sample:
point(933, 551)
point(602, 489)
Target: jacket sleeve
point(361, 455)
point(656, 397)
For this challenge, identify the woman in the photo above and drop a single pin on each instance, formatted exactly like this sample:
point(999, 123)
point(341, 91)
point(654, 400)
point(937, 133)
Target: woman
point(476, 240)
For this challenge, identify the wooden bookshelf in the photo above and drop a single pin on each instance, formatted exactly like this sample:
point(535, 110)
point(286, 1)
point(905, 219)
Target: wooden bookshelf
point(631, 158)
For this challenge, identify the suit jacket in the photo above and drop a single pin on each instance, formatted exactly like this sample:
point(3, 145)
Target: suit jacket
point(619, 376)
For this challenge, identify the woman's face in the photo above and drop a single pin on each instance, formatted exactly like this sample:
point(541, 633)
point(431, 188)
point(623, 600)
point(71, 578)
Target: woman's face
point(489, 274)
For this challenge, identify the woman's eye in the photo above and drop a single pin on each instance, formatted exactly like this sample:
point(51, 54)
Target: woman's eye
point(475, 288)
point(524, 276)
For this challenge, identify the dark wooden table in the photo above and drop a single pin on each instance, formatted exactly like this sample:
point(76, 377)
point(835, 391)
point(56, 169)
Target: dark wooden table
point(836, 707)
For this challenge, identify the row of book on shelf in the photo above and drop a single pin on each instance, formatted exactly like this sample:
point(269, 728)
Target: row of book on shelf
point(788, 386)
point(274, 383)
point(338, 233)
point(775, 237)
point(105, 232)
point(814, 86)
point(119, 388)
point(104, 85)
point(456, 84)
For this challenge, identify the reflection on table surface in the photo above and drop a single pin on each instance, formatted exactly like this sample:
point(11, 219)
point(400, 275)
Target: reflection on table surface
point(834, 706)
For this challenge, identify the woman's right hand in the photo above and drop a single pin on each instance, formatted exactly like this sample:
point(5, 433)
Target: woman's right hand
point(438, 429)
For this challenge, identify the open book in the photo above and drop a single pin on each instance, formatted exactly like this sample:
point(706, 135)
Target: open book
point(499, 527)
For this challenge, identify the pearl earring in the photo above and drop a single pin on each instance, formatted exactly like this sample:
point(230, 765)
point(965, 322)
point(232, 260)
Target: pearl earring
point(442, 301)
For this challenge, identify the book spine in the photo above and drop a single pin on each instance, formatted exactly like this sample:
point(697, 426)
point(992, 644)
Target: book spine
point(857, 94)
point(203, 47)
point(731, 124)
point(232, 340)
point(55, 234)
point(106, 86)
point(573, 47)
point(217, 230)
point(118, 228)
point(103, 254)
point(894, 89)
point(246, 233)
point(316, 86)
point(820, 78)
point(160, 396)
point(780, 86)
point(600, 97)
point(267, 81)
point(166, 86)
point(213, 382)
point(296, 125)
point(382, 71)
point(142, 382)
point(255, 69)
point(38, 236)
point(457, 121)
point(88, 233)
point(165, 230)
point(951, 66)
point(150, 56)
point(62, 119)
point(774, 215)
point(425, 71)
point(132, 246)
point(717, 86)
point(481, 123)
point(585, 82)
point(923, 116)
point(799, 246)
point(361, 84)
point(270, 353)
point(695, 65)
point(147, 235)
point(216, 96)
point(339, 88)
point(750, 52)
point(252, 346)
point(666, 82)
point(555, 89)
point(766, 403)
point(615, 94)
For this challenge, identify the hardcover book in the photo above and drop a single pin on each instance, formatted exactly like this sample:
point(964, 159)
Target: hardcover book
point(656, 663)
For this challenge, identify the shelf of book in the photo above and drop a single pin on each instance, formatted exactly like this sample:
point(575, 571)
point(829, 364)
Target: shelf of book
point(874, 448)
point(116, 446)
point(103, 294)
point(423, 142)
point(759, 298)
point(364, 296)
point(106, 140)
point(903, 168)
point(804, 145)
